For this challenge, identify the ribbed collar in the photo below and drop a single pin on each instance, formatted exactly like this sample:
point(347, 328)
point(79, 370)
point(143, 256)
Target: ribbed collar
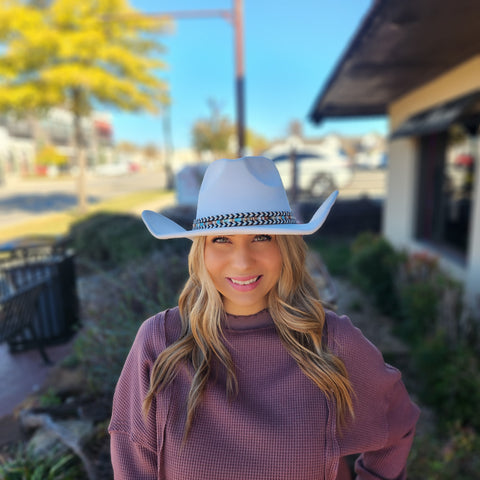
point(261, 319)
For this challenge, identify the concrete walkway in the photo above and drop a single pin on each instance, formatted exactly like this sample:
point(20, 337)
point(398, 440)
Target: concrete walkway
point(22, 374)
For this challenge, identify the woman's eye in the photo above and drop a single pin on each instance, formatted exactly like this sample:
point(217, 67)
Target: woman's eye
point(220, 240)
point(262, 238)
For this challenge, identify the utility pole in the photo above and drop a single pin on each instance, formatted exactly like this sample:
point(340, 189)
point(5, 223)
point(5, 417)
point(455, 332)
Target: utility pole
point(235, 17)
point(239, 75)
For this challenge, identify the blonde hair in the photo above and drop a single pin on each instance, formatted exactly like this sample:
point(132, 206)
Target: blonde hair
point(296, 309)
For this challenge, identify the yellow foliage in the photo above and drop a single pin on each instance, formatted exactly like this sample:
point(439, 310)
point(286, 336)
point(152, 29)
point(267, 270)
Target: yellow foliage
point(101, 48)
point(49, 155)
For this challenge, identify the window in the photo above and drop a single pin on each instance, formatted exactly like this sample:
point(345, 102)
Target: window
point(446, 178)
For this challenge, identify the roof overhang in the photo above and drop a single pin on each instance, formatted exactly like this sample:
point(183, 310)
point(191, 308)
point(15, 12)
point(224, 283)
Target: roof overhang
point(440, 117)
point(399, 46)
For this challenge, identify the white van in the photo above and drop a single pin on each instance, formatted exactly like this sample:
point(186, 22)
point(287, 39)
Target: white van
point(319, 172)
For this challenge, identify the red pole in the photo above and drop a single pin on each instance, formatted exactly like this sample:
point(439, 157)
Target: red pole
point(239, 75)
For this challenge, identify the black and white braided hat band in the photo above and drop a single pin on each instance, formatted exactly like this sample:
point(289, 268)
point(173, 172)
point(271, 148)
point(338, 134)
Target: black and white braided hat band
point(248, 219)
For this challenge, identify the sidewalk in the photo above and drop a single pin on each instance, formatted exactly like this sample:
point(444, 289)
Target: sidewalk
point(22, 374)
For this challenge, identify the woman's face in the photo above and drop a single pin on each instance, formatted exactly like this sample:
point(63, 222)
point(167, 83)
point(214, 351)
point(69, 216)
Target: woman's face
point(243, 268)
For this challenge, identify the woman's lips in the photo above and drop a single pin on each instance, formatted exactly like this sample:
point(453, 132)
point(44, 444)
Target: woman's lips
point(244, 284)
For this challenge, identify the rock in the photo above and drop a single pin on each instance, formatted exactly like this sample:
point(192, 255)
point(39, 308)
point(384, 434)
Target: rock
point(59, 437)
point(65, 381)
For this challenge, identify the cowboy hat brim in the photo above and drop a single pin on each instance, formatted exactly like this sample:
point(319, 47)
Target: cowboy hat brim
point(163, 228)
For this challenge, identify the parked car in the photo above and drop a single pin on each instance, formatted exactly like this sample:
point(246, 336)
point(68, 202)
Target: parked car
point(116, 168)
point(371, 160)
point(318, 172)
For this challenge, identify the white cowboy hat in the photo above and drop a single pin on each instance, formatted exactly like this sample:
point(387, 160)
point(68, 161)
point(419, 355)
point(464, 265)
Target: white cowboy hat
point(240, 196)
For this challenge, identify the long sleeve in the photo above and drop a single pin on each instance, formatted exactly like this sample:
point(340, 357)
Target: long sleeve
point(385, 417)
point(130, 459)
point(389, 462)
point(133, 438)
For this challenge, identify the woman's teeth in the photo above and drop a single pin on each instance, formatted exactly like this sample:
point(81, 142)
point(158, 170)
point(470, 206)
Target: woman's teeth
point(244, 282)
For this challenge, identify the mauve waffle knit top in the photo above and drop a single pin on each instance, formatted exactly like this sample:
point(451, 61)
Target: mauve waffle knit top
point(280, 425)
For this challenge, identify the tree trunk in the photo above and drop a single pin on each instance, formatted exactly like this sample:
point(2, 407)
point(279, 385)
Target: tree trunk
point(80, 160)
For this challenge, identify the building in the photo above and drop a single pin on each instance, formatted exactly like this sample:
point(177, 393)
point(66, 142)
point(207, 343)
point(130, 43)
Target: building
point(21, 139)
point(418, 62)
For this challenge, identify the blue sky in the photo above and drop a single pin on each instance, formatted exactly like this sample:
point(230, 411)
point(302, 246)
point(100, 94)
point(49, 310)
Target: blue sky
point(290, 49)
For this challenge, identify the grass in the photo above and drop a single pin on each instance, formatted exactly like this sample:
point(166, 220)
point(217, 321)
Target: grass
point(59, 223)
point(127, 203)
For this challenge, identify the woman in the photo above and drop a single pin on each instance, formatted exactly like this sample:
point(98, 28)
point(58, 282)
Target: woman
point(249, 377)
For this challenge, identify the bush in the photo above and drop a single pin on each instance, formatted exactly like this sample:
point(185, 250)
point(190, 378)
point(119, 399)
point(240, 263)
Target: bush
point(334, 252)
point(373, 268)
point(449, 377)
point(22, 464)
point(115, 306)
point(430, 301)
point(455, 457)
point(109, 240)
point(427, 306)
point(419, 309)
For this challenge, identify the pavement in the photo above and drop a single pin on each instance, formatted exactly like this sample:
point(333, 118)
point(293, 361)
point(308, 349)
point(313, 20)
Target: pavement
point(23, 373)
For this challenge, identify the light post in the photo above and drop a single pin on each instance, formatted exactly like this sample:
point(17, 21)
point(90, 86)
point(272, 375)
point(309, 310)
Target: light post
point(239, 75)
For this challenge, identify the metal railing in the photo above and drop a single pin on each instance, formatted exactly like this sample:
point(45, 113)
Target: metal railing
point(56, 316)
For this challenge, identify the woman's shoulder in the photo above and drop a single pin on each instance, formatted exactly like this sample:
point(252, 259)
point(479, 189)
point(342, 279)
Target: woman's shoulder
point(340, 331)
point(156, 332)
point(348, 342)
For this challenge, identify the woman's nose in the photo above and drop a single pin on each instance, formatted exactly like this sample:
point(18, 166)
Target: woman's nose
point(243, 257)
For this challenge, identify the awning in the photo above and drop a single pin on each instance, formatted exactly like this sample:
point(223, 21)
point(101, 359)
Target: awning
point(436, 119)
point(398, 47)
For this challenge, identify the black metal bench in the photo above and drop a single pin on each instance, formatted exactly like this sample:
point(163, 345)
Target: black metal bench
point(17, 314)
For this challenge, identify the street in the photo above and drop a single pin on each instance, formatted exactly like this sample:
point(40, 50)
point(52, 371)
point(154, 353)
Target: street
point(22, 199)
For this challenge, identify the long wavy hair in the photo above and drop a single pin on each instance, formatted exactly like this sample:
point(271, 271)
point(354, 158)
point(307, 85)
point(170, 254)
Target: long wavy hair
point(299, 317)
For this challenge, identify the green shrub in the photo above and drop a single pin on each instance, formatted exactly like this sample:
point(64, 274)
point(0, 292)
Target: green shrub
point(373, 267)
point(115, 305)
point(449, 380)
point(334, 252)
point(455, 457)
point(109, 240)
point(22, 464)
point(419, 310)
point(430, 300)
point(427, 306)
point(50, 398)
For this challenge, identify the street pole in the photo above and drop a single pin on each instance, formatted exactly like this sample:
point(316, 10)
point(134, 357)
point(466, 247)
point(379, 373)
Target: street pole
point(239, 75)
